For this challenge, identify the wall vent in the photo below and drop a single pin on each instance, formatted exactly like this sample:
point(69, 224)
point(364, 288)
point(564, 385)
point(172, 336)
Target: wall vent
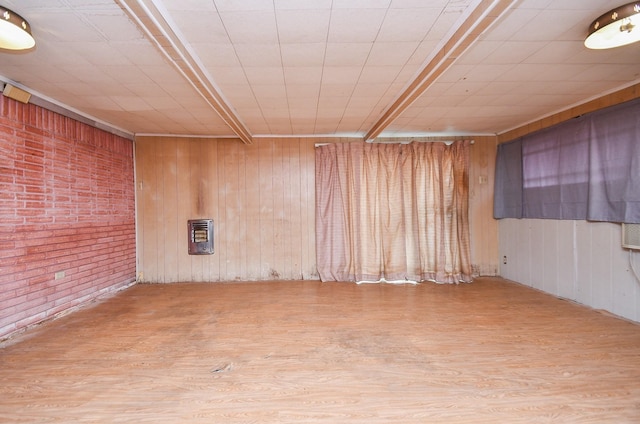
point(631, 236)
point(16, 94)
point(200, 236)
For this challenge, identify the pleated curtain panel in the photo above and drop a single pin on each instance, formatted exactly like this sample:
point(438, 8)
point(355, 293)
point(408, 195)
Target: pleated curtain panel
point(393, 212)
point(587, 168)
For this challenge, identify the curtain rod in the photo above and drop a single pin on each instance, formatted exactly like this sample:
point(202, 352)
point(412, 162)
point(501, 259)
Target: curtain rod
point(447, 142)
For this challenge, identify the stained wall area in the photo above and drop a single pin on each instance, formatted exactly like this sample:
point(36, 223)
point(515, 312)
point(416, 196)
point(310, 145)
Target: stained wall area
point(67, 214)
point(260, 197)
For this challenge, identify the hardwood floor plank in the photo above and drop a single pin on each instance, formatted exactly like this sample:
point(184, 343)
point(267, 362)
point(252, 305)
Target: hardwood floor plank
point(273, 352)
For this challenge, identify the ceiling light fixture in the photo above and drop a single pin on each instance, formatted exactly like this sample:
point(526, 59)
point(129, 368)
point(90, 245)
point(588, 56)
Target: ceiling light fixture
point(15, 32)
point(618, 27)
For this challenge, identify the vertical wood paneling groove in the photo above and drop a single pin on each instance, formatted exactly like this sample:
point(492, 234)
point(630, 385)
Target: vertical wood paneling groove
point(285, 214)
point(226, 218)
point(266, 209)
point(185, 185)
point(200, 156)
point(484, 229)
point(252, 242)
point(296, 210)
point(262, 200)
point(212, 208)
point(550, 254)
point(278, 213)
point(158, 216)
point(583, 276)
point(149, 224)
point(171, 214)
point(230, 221)
point(242, 202)
point(594, 271)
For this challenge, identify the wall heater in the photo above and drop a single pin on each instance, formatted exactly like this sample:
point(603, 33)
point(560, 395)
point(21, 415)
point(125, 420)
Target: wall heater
point(200, 236)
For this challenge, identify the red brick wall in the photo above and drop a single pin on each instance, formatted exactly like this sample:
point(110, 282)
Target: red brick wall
point(66, 206)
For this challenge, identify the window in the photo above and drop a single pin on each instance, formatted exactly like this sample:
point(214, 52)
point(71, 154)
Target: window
point(586, 168)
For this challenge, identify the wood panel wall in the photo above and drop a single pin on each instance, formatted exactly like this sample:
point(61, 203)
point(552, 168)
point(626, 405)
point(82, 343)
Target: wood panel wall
point(578, 260)
point(260, 196)
point(262, 200)
point(483, 228)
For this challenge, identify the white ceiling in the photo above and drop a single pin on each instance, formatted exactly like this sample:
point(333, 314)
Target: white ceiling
point(361, 68)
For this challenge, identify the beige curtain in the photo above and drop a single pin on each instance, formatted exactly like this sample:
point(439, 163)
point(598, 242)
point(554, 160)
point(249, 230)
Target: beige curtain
point(393, 212)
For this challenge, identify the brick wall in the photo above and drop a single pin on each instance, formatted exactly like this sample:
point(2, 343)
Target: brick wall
point(67, 226)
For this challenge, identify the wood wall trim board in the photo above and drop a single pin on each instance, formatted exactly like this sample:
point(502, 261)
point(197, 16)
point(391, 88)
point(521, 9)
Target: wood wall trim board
point(611, 99)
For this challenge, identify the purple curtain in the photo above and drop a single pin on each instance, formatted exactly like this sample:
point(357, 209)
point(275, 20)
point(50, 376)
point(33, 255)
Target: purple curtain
point(586, 168)
point(508, 181)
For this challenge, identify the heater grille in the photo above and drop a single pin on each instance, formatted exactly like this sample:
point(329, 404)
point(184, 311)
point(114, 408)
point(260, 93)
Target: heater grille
point(200, 233)
point(631, 236)
point(200, 236)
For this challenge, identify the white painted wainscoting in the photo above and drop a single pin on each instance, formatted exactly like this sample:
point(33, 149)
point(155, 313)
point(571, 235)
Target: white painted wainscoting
point(577, 260)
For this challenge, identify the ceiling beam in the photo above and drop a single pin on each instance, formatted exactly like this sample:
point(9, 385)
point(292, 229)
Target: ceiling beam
point(152, 22)
point(481, 18)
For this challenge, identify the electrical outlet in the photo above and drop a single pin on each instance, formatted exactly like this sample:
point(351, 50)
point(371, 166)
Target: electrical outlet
point(504, 260)
point(58, 275)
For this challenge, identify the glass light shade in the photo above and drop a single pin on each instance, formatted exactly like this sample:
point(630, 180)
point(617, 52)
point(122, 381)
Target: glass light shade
point(15, 32)
point(616, 28)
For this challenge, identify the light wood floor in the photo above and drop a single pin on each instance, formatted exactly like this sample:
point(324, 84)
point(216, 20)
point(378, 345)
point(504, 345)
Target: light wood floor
point(284, 352)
